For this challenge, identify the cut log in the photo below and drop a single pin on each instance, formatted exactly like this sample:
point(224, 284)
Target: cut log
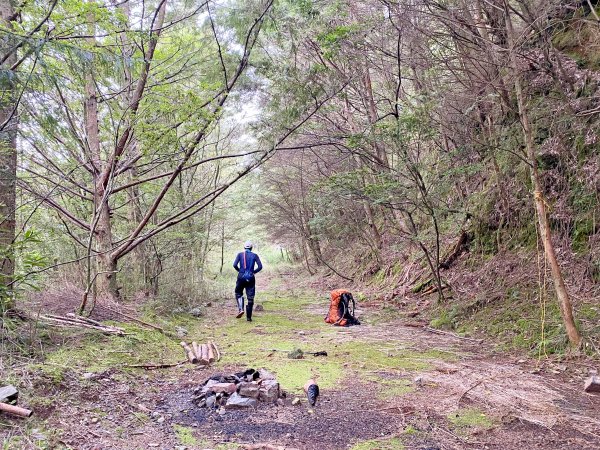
point(204, 352)
point(211, 353)
point(15, 410)
point(196, 349)
point(592, 384)
point(215, 349)
point(8, 394)
point(189, 353)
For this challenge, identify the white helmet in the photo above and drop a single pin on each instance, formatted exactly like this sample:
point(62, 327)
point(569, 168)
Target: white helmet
point(248, 245)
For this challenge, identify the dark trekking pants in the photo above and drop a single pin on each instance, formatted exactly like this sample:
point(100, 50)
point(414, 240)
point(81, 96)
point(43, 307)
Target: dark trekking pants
point(250, 287)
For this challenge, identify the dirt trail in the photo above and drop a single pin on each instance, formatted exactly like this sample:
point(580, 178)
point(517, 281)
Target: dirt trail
point(384, 386)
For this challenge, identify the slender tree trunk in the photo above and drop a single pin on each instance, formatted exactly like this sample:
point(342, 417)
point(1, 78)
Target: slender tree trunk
point(8, 159)
point(106, 265)
point(222, 246)
point(538, 197)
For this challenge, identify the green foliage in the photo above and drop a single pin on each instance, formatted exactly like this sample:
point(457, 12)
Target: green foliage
point(29, 260)
point(331, 40)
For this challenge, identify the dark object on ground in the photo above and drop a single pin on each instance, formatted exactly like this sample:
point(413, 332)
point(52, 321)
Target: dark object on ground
point(259, 308)
point(341, 309)
point(321, 353)
point(592, 384)
point(10, 394)
point(296, 354)
point(312, 392)
point(196, 312)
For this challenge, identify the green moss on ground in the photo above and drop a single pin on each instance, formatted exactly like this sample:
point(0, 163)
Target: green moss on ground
point(390, 387)
point(379, 444)
point(185, 435)
point(275, 332)
point(469, 420)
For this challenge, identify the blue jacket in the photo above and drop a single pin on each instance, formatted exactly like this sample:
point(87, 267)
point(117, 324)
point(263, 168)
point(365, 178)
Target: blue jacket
point(252, 260)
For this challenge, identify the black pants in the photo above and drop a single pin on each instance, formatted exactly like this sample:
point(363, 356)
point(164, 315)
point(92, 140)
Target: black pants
point(250, 287)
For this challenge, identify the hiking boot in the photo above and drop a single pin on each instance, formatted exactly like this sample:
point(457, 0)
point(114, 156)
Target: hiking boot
point(240, 305)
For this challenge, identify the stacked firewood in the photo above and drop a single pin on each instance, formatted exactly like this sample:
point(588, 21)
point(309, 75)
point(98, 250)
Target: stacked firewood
point(203, 354)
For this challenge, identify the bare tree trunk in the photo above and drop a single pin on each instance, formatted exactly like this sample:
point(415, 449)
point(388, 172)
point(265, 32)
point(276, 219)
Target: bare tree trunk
point(8, 159)
point(142, 260)
point(564, 301)
point(222, 246)
point(106, 280)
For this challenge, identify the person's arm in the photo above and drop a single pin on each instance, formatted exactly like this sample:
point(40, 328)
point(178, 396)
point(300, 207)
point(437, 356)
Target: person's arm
point(236, 263)
point(258, 265)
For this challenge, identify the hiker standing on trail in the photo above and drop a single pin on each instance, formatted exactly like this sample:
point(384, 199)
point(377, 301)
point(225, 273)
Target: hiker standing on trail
point(244, 264)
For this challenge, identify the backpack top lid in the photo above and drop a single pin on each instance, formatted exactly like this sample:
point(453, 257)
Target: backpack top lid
point(336, 294)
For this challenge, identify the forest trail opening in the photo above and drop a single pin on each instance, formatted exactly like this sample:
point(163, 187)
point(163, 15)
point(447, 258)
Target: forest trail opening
point(383, 386)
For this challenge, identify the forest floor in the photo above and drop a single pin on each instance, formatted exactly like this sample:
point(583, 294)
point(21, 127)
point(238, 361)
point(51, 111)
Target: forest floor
point(384, 385)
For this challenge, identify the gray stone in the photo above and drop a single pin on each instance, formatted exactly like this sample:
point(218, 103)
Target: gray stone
point(8, 393)
point(259, 308)
point(181, 332)
point(264, 374)
point(208, 386)
point(236, 401)
point(196, 312)
point(592, 384)
point(296, 401)
point(269, 391)
point(250, 390)
point(228, 388)
point(211, 401)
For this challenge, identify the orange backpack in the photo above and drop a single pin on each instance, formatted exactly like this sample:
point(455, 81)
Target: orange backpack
point(341, 309)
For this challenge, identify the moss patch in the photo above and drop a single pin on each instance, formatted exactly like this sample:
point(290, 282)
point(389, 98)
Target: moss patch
point(470, 419)
point(379, 444)
point(185, 435)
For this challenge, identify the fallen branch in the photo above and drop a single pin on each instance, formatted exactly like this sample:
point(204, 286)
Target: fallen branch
point(454, 335)
point(78, 322)
point(133, 319)
point(469, 390)
point(155, 366)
